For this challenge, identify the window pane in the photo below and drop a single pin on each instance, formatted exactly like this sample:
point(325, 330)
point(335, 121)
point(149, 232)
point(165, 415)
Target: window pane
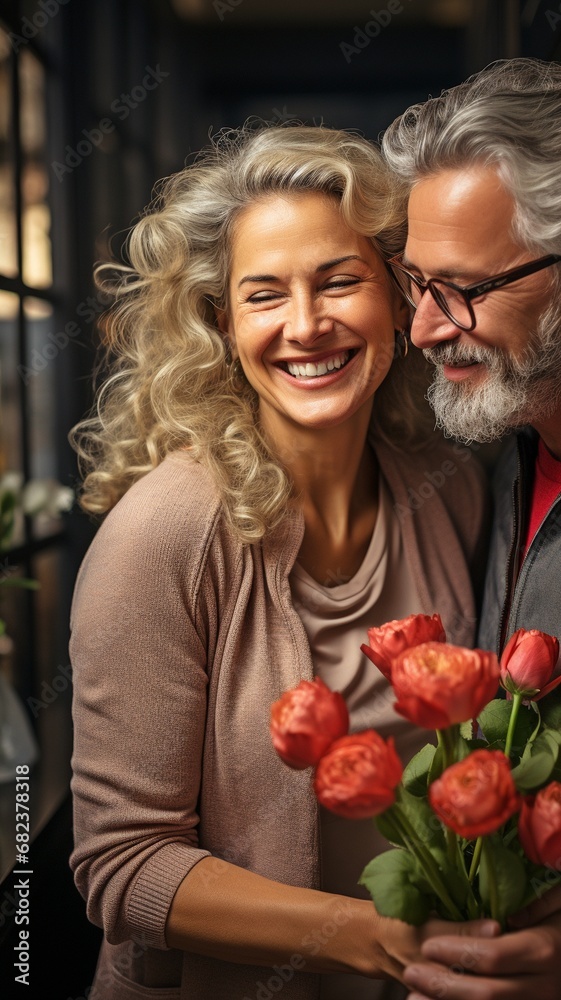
point(36, 220)
point(8, 231)
point(42, 352)
point(10, 385)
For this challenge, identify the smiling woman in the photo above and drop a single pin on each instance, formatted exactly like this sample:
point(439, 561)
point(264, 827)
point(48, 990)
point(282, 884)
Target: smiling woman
point(312, 313)
point(254, 445)
point(177, 282)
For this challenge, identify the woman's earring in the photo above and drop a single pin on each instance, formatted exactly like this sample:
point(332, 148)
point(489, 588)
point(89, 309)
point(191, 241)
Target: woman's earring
point(236, 371)
point(401, 343)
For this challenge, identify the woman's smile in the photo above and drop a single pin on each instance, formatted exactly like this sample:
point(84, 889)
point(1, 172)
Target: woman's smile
point(310, 374)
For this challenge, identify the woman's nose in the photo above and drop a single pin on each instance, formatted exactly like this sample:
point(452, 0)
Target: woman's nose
point(306, 319)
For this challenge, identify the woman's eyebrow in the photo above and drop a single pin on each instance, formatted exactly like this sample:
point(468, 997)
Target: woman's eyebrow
point(321, 267)
point(340, 260)
point(257, 277)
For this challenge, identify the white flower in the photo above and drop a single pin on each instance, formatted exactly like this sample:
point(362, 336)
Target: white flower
point(35, 496)
point(63, 498)
point(46, 496)
point(11, 482)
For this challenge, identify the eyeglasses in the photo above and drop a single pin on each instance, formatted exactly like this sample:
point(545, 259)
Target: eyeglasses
point(455, 300)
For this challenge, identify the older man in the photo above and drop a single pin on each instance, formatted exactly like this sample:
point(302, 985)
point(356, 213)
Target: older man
point(482, 270)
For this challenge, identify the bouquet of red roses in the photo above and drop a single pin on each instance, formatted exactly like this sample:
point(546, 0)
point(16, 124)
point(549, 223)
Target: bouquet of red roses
point(475, 821)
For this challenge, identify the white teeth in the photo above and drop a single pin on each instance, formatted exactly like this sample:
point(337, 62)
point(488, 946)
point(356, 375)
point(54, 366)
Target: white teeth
point(310, 370)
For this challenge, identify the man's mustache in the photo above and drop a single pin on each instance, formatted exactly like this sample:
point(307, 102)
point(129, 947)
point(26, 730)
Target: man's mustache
point(465, 354)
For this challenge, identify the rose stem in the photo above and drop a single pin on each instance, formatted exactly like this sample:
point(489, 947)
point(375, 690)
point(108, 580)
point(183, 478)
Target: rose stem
point(447, 742)
point(408, 834)
point(493, 888)
point(446, 739)
point(475, 859)
point(472, 905)
point(516, 703)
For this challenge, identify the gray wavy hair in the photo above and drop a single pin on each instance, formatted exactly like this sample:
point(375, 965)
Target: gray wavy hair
point(170, 384)
point(509, 115)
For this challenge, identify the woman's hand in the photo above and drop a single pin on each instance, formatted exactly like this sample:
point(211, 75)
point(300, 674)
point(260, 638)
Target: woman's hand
point(516, 966)
point(403, 944)
point(227, 912)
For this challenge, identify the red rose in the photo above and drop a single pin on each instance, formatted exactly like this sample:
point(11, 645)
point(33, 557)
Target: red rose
point(539, 826)
point(358, 775)
point(527, 663)
point(389, 640)
point(438, 685)
point(477, 795)
point(306, 721)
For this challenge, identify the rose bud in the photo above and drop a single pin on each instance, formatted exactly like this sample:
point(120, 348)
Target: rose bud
point(358, 775)
point(306, 720)
point(539, 826)
point(389, 640)
point(477, 795)
point(438, 685)
point(528, 662)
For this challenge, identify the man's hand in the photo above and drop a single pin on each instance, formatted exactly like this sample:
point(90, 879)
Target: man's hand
point(546, 906)
point(523, 965)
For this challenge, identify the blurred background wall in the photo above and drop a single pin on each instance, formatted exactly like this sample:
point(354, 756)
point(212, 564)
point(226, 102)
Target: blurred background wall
point(97, 101)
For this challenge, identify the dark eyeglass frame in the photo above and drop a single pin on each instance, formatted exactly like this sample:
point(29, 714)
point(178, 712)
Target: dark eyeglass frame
point(468, 292)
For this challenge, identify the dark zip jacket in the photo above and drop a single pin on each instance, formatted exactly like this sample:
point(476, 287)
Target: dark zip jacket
point(519, 594)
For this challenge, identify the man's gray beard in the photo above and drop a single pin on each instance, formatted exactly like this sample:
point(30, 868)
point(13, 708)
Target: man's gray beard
point(512, 393)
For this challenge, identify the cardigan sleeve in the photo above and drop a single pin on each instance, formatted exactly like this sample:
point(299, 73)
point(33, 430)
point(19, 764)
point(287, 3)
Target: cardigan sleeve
point(139, 658)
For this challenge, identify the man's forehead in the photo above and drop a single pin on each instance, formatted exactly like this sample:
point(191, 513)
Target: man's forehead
point(460, 217)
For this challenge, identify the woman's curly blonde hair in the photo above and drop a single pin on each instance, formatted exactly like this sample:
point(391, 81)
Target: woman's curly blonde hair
point(170, 383)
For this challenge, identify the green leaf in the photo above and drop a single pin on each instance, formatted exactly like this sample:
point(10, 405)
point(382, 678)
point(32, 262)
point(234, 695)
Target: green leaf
point(550, 710)
point(477, 744)
point(391, 880)
point(532, 773)
point(494, 720)
point(387, 829)
point(19, 581)
point(463, 748)
point(437, 765)
point(536, 766)
point(7, 502)
point(466, 729)
point(424, 821)
point(552, 737)
point(508, 871)
point(416, 774)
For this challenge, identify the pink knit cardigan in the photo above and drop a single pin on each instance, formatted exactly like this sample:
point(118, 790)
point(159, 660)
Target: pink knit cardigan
point(181, 639)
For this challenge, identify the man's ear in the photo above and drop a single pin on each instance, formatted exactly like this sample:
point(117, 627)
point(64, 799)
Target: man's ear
point(223, 324)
